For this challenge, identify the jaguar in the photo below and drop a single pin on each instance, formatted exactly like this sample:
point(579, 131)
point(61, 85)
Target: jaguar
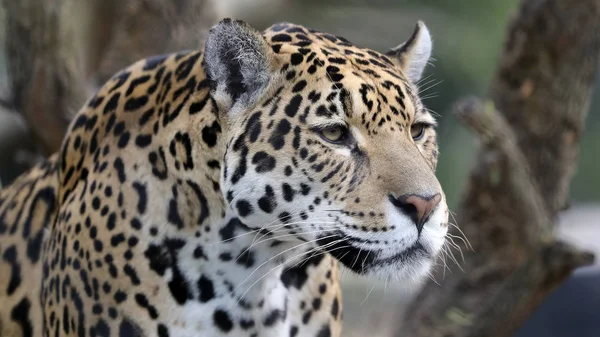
point(221, 191)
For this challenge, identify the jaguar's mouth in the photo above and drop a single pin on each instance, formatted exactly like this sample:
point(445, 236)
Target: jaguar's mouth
point(341, 247)
point(365, 260)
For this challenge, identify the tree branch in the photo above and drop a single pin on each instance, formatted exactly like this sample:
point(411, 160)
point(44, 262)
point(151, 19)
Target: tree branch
point(530, 141)
point(543, 87)
point(6, 103)
point(499, 140)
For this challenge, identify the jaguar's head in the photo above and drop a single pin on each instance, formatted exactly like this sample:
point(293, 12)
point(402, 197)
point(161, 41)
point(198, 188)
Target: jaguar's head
point(329, 145)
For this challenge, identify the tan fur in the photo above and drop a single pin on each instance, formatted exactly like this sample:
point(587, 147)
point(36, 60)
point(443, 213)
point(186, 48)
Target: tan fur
point(139, 206)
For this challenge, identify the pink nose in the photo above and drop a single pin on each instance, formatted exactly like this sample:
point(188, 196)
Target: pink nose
point(417, 207)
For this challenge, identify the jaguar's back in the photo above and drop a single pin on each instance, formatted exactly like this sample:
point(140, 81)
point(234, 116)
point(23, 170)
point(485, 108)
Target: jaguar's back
point(28, 208)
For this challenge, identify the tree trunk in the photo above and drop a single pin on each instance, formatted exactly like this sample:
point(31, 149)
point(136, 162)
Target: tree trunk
point(151, 27)
point(530, 130)
point(45, 69)
point(58, 50)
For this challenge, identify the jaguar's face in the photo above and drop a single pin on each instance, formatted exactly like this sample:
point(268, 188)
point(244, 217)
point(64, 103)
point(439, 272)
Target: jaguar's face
point(336, 151)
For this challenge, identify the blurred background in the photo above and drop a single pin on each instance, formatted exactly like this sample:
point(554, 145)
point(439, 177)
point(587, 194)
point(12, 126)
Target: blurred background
point(468, 37)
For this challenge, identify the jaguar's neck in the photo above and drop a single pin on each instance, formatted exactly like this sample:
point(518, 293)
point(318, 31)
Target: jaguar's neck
point(207, 242)
point(252, 261)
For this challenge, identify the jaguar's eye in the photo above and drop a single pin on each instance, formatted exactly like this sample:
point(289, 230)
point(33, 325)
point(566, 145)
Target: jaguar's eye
point(335, 133)
point(417, 131)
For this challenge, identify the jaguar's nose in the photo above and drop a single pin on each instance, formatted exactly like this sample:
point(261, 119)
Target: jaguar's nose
point(417, 207)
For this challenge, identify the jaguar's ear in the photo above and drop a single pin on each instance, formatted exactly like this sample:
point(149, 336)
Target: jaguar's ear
point(237, 62)
point(412, 56)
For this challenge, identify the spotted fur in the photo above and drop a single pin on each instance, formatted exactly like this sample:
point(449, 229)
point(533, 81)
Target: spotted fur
point(216, 192)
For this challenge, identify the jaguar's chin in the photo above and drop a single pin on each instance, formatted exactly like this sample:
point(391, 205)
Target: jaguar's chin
point(411, 264)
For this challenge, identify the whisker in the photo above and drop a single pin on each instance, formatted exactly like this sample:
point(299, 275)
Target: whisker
point(430, 96)
point(273, 257)
point(253, 231)
point(430, 86)
point(369, 293)
point(427, 79)
point(318, 251)
point(419, 82)
point(360, 250)
point(433, 112)
point(457, 237)
point(457, 247)
point(445, 263)
point(431, 276)
point(267, 273)
point(279, 237)
point(460, 231)
point(322, 252)
point(453, 258)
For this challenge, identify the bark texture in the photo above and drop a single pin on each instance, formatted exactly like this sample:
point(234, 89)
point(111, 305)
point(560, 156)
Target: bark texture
point(44, 66)
point(58, 51)
point(152, 27)
point(529, 129)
